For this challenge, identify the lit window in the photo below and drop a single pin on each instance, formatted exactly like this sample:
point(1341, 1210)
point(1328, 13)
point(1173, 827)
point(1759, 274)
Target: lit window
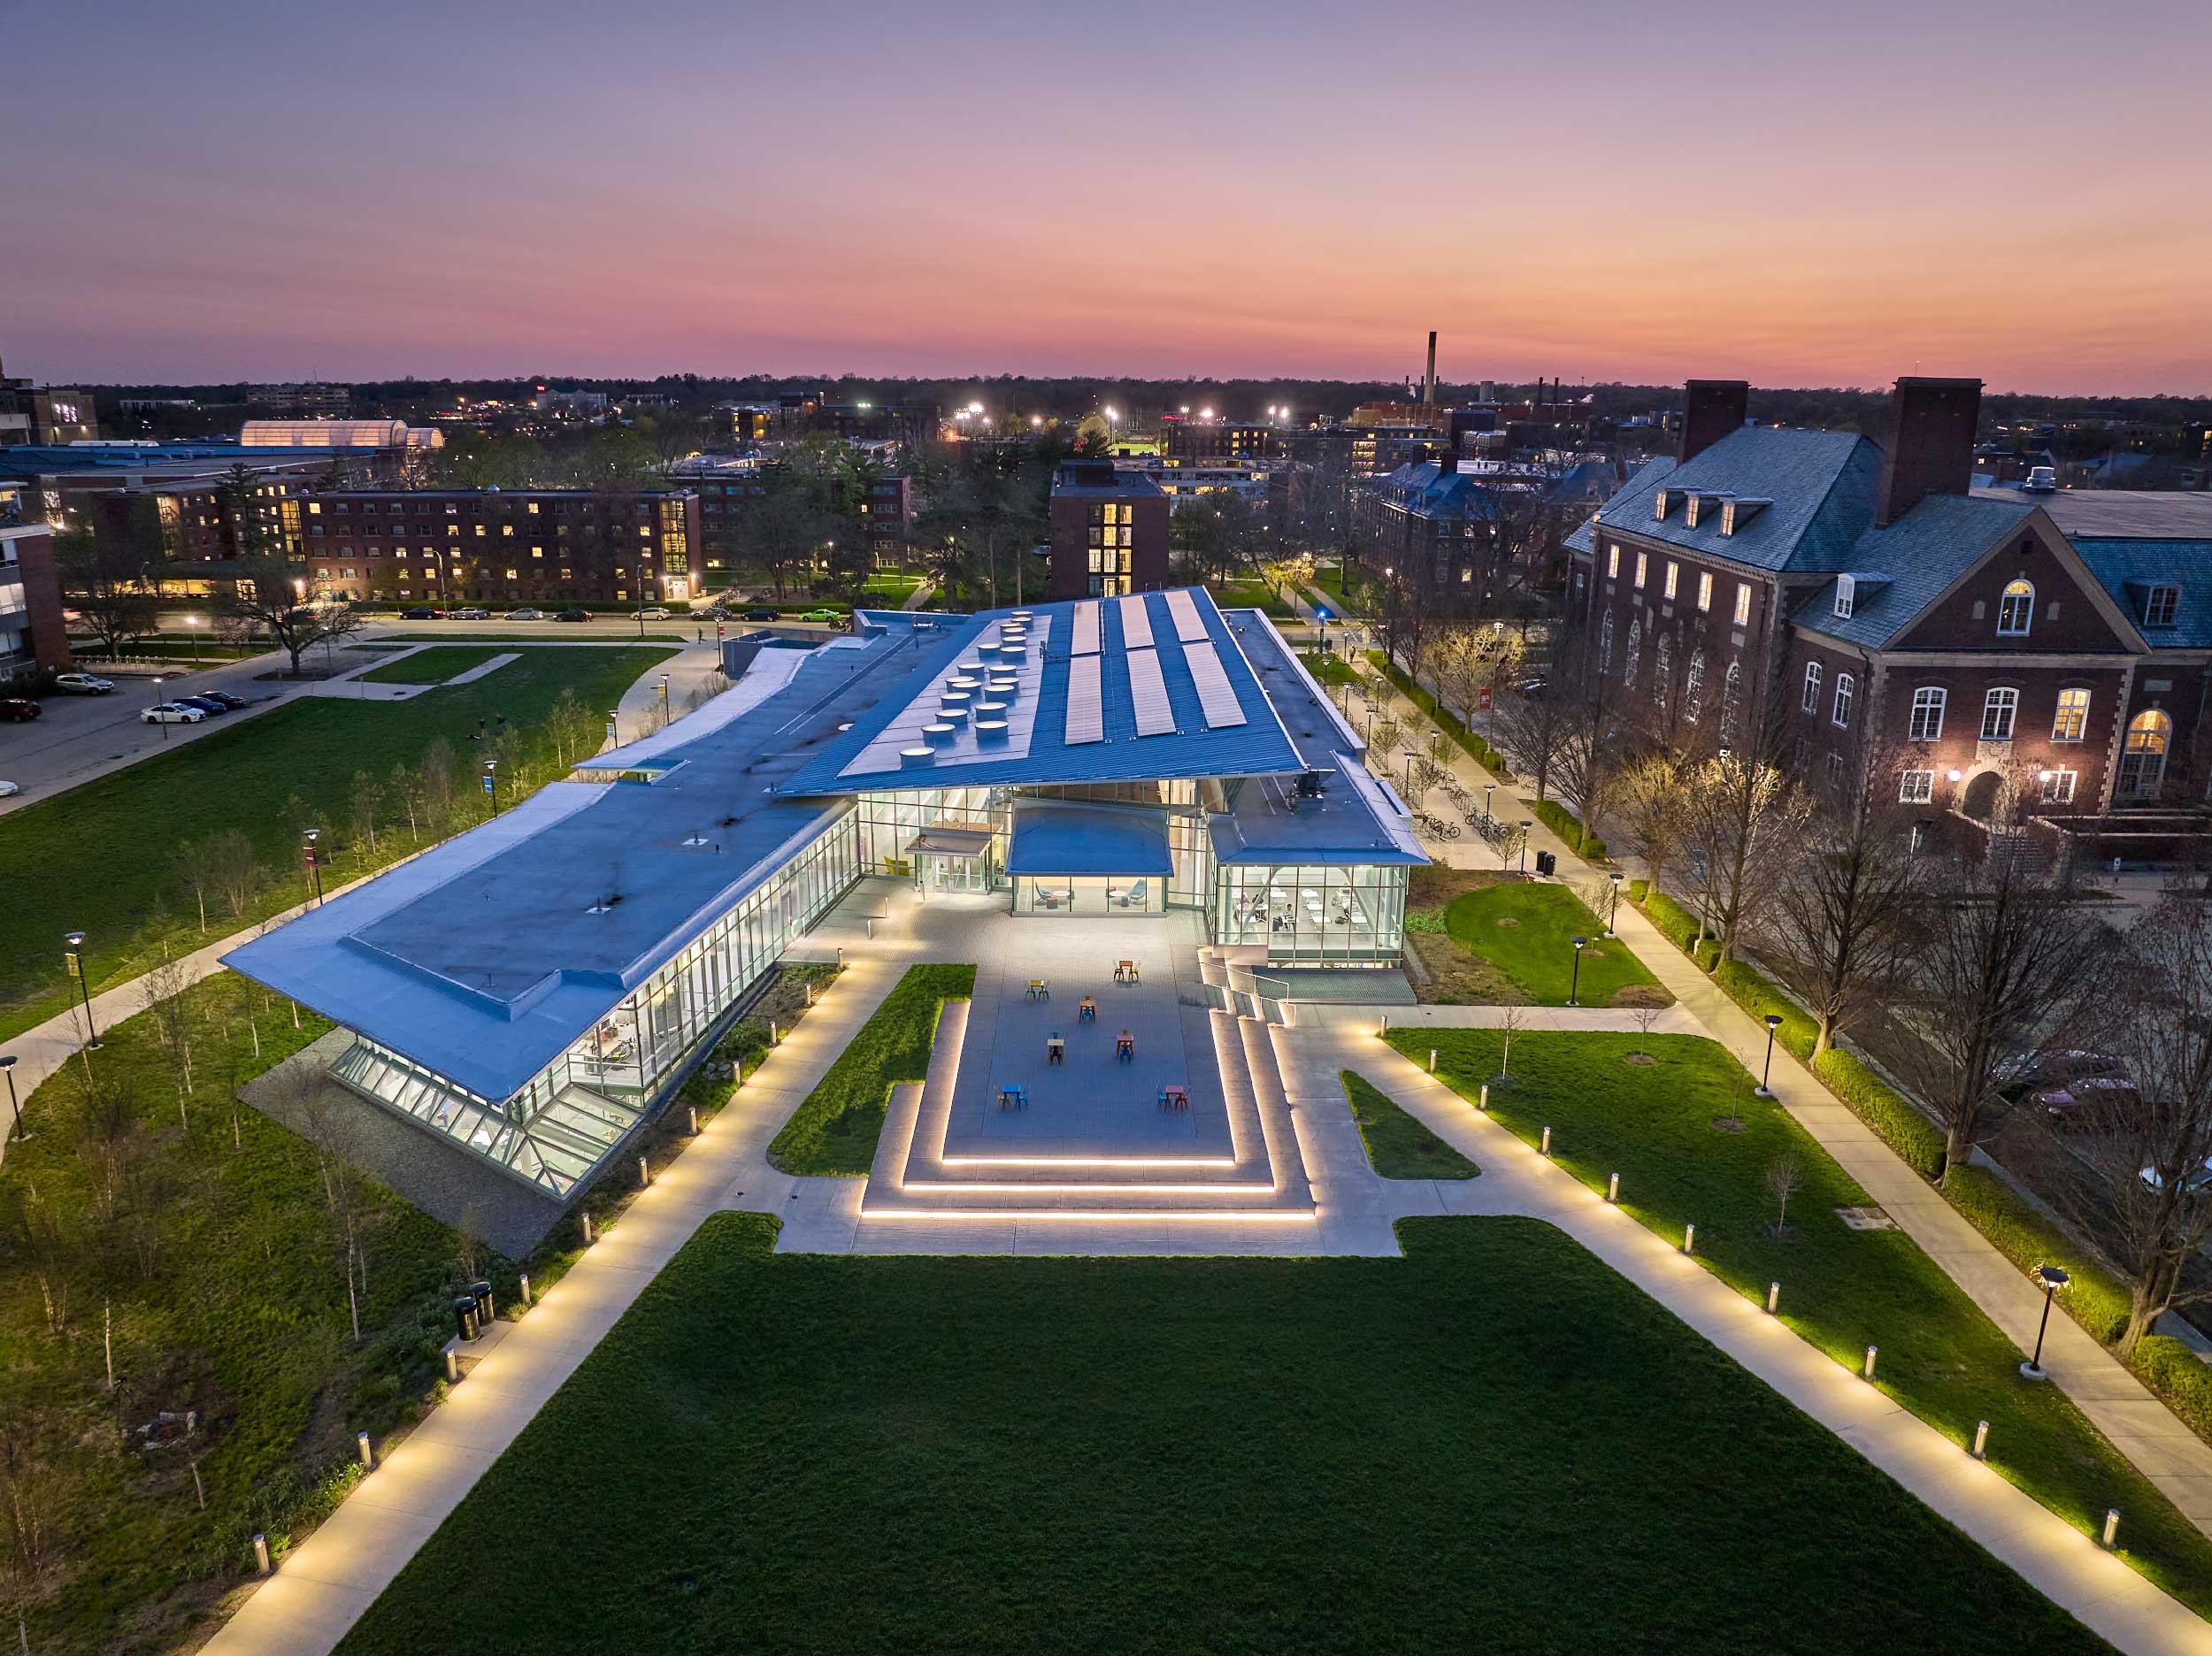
point(2058, 787)
point(533, 508)
point(2016, 610)
point(1674, 572)
point(1846, 595)
point(1915, 787)
point(1999, 708)
point(514, 574)
point(1705, 591)
point(2073, 716)
point(1613, 560)
point(537, 551)
point(506, 529)
point(1743, 603)
point(1839, 714)
point(1927, 714)
point(1812, 687)
point(1643, 562)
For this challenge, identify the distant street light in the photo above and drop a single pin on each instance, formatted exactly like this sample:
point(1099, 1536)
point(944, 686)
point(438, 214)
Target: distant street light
point(2050, 1278)
point(314, 861)
point(75, 940)
point(1574, 983)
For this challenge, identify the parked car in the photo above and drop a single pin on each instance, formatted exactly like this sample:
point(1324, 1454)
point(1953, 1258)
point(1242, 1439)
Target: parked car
point(83, 684)
point(2051, 1067)
point(761, 614)
point(2197, 1183)
point(822, 614)
point(2090, 1101)
point(574, 615)
point(422, 612)
point(10, 788)
point(171, 713)
point(470, 615)
point(223, 696)
point(526, 615)
point(17, 710)
point(213, 706)
point(653, 612)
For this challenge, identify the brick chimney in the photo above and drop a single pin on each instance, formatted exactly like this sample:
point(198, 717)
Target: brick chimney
point(1710, 409)
point(1931, 444)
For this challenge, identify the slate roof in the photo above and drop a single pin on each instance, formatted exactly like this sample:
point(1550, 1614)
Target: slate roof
point(2134, 514)
point(1821, 485)
point(1902, 569)
point(2128, 569)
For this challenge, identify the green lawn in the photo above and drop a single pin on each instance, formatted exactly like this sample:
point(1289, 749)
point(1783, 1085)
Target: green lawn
point(434, 665)
point(106, 854)
point(1526, 931)
point(1494, 1444)
point(1842, 1289)
point(222, 1258)
point(550, 635)
point(1331, 669)
point(835, 1128)
point(1399, 1146)
point(1251, 594)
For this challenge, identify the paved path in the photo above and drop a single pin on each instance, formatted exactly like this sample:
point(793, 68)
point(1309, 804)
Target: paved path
point(2146, 1431)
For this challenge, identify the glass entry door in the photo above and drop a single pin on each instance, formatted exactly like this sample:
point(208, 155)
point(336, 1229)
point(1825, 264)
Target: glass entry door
point(938, 872)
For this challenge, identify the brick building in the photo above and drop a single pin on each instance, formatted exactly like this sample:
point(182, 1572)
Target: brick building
point(1197, 440)
point(1965, 640)
point(32, 633)
point(1109, 531)
point(515, 546)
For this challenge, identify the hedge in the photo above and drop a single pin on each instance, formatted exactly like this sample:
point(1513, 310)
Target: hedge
point(1480, 751)
point(1756, 995)
point(1564, 823)
point(1636, 890)
point(1916, 1139)
point(1672, 921)
point(2097, 1299)
point(2171, 1369)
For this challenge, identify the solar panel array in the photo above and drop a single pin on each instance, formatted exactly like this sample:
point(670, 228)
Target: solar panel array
point(1086, 716)
point(1189, 626)
point(1149, 691)
point(1216, 697)
point(1085, 641)
point(1136, 623)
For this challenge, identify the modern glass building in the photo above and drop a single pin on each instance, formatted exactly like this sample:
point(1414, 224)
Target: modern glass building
point(532, 990)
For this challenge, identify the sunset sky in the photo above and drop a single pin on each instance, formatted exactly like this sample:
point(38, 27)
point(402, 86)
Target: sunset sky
point(1793, 194)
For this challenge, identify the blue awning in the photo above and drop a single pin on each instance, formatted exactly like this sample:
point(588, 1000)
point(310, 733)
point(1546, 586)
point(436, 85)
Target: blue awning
point(1051, 838)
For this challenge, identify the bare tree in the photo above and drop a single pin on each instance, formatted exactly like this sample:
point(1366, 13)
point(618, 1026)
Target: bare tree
point(1652, 811)
point(1533, 727)
point(1784, 1178)
point(1646, 1019)
point(268, 595)
point(230, 865)
point(1384, 738)
point(367, 800)
point(1511, 1021)
point(1743, 816)
point(1423, 776)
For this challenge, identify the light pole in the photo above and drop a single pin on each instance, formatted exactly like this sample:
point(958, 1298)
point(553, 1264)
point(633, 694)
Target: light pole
point(2050, 1278)
point(314, 861)
point(157, 719)
point(1487, 789)
point(193, 622)
point(1613, 908)
point(1766, 1070)
point(1526, 825)
point(1574, 985)
point(491, 783)
point(15, 1109)
point(75, 940)
point(613, 714)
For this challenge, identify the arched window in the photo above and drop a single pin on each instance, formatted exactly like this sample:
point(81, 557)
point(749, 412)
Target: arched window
point(2016, 610)
point(1635, 649)
point(1662, 670)
point(1731, 702)
point(2143, 756)
point(1605, 640)
point(1693, 684)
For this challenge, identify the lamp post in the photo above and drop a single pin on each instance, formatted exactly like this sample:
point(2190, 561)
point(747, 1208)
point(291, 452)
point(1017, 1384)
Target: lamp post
point(314, 861)
point(193, 622)
point(1488, 788)
point(157, 719)
point(15, 1109)
point(1766, 1071)
point(1574, 986)
point(491, 783)
point(1613, 908)
point(2050, 1278)
point(1526, 823)
point(75, 956)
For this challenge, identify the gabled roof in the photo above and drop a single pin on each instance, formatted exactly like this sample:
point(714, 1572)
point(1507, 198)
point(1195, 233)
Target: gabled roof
point(1822, 486)
point(2128, 569)
point(1903, 569)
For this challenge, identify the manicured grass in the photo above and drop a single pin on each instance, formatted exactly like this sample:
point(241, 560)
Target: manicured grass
point(434, 665)
point(1252, 594)
point(1493, 1443)
point(1842, 1289)
point(834, 1129)
point(222, 1258)
point(1399, 1146)
point(550, 635)
point(107, 854)
point(1331, 669)
point(1526, 931)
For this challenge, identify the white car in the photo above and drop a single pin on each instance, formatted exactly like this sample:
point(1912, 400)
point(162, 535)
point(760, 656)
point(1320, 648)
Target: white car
point(526, 615)
point(2197, 1183)
point(83, 684)
point(654, 614)
point(171, 713)
point(7, 789)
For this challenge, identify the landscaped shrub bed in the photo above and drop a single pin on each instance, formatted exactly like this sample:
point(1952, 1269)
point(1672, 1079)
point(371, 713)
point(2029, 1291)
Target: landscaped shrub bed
point(1568, 826)
point(2098, 1299)
point(1483, 754)
point(834, 1131)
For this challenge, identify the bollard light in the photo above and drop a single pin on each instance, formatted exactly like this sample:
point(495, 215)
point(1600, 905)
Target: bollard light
point(452, 1366)
point(1774, 1298)
point(1383, 1028)
point(1483, 1103)
point(588, 1236)
point(1689, 1239)
point(1866, 1369)
point(368, 1455)
point(522, 1291)
point(775, 1033)
point(1431, 1061)
point(644, 1173)
point(261, 1551)
point(1981, 1440)
point(691, 1114)
point(840, 957)
point(1543, 1145)
point(809, 991)
point(2111, 1526)
point(1613, 1187)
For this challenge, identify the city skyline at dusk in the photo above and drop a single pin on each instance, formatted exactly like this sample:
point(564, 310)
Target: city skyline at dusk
point(1610, 194)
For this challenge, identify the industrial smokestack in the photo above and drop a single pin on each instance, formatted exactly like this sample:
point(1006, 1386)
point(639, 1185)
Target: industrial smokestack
point(1428, 384)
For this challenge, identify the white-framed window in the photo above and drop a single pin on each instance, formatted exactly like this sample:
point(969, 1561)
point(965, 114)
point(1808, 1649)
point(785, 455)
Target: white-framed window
point(2072, 719)
point(1705, 590)
point(2160, 606)
point(2058, 787)
point(1743, 603)
point(1846, 594)
point(2000, 706)
point(1915, 787)
point(2016, 610)
point(1839, 714)
point(1674, 574)
point(1811, 702)
point(1927, 713)
point(1643, 563)
point(1613, 560)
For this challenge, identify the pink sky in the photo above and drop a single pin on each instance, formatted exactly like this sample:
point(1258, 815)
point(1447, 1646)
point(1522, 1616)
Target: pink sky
point(1794, 194)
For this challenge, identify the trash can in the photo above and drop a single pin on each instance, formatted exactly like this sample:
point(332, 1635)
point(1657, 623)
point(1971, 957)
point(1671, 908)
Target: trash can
point(464, 1317)
point(481, 1292)
point(1547, 864)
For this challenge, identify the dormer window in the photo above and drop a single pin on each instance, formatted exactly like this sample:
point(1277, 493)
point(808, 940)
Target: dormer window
point(1846, 594)
point(2016, 610)
point(2160, 606)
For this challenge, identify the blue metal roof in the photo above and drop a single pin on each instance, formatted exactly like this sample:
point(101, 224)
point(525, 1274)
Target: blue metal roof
point(1051, 837)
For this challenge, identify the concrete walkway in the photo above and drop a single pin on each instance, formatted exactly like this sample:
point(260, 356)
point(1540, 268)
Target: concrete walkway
point(2143, 1428)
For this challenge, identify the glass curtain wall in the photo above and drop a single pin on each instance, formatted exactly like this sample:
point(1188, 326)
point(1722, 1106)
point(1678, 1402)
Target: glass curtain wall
point(889, 820)
point(1313, 915)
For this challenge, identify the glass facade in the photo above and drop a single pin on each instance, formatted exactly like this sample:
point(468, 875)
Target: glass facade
point(1090, 894)
point(1310, 915)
